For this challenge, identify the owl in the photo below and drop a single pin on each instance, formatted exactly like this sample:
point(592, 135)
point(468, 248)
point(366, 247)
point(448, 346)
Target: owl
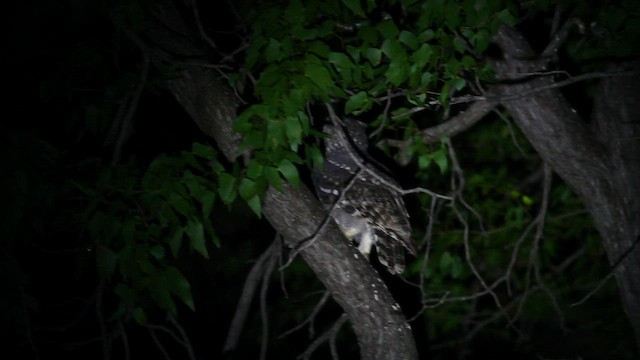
point(370, 212)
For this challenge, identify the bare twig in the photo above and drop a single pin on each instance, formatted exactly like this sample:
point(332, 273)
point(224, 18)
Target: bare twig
point(384, 115)
point(158, 343)
point(561, 36)
point(123, 125)
point(310, 319)
point(559, 84)
point(329, 335)
point(546, 189)
point(458, 182)
point(270, 266)
point(244, 303)
point(183, 336)
point(511, 132)
point(592, 292)
point(196, 17)
point(614, 267)
point(125, 340)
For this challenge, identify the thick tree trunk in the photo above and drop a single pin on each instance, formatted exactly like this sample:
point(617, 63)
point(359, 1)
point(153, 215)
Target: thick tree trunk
point(601, 164)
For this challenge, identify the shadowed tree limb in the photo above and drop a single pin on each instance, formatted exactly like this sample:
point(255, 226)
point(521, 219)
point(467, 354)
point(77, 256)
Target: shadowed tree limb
point(600, 163)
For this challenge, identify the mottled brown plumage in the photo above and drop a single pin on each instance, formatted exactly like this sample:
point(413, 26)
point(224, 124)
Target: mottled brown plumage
point(370, 212)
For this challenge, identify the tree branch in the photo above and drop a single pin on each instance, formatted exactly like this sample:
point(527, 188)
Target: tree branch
point(593, 161)
point(244, 303)
point(462, 121)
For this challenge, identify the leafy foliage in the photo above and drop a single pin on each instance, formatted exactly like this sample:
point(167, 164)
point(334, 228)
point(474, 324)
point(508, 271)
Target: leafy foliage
point(141, 222)
point(340, 50)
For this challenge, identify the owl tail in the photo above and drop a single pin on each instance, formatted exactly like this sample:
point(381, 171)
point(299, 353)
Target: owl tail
point(391, 256)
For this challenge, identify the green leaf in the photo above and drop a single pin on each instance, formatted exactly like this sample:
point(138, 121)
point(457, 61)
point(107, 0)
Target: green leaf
point(316, 157)
point(176, 241)
point(319, 75)
point(254, 169)
point(319, 48)
point(387, 29)
point(422, 56)
point(273, 178)
point(425, 80)
point(423, 161)
point(208, 200)
point(255, 205)
point(481, 41)
point(409, 39)
point(355, 7)
point(276, 133)
point(180, 204)
point(226, 188)
point(179, 286)
point(394, 50)
point(273, 51)
point(397, 72)
point(426, 36)
point(440, 158)
point(157, 251)
point(247, 188)
point(357, 102)
point(373, 55)
point(506, 17)
point(140, 316)
point(290, 172)
point(204, 151)
point(195, 232)
point(342, 63)
point(162, 296)
point(368, 35)
point(459, 44)
point(293, 130)
point(459, 84)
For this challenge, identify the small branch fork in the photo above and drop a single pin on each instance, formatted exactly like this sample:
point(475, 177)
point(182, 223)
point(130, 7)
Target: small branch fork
point(328, 336)
point(261, 271)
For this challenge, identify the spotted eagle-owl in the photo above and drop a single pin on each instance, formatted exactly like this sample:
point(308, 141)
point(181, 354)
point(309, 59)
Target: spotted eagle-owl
point(370, 212)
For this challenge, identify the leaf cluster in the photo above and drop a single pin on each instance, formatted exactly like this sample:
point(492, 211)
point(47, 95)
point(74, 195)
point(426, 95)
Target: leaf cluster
point(142, 221)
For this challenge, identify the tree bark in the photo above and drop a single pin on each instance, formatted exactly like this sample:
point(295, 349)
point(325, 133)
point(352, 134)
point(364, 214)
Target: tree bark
point(601, 163)
point(377, 320)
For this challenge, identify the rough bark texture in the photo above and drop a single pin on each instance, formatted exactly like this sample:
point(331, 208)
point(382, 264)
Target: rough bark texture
point(378, 322)
point(601, 163)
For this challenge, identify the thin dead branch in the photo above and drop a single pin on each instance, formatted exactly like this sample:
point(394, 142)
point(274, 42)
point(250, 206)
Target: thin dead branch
point(249, 288)
point(310, 319)
point(329, 336)
point(270, 266)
